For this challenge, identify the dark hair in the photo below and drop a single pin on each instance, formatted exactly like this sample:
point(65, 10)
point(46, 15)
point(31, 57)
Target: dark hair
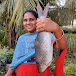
point(33, 12)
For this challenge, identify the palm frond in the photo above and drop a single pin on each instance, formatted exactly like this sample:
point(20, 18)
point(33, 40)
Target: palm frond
point(2, 7)
point(16, 10)
point(28, 5)
point(35, 2)
point(19, 17)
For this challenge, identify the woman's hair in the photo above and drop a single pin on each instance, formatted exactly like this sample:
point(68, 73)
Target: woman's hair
point(31, 11)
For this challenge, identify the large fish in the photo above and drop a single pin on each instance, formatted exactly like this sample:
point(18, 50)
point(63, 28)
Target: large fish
point(43, 44)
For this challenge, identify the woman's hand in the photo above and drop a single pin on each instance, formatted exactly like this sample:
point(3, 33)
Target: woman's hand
point(7, 75)
point(46, 24)
point(10, 72)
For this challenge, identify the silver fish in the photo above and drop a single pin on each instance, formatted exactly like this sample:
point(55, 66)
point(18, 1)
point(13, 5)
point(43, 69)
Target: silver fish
point(43, 44)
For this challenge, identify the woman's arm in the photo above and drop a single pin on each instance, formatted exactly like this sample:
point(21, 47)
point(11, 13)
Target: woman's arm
point(10, 72)
point(61, 42)
point(46, 24)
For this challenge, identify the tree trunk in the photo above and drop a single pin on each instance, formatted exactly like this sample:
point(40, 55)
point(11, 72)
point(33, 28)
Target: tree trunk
point(13, 37)
point(17, 34)
point(9, 31)
point(9, 37)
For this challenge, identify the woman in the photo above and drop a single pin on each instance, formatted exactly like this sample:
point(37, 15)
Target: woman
point(24, 53)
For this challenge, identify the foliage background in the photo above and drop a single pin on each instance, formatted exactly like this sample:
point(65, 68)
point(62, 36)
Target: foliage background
point(11, 28)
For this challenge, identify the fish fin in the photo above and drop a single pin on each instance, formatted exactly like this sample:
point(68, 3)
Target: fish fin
point(45, 12)
point(52, 41)
point(39, 10)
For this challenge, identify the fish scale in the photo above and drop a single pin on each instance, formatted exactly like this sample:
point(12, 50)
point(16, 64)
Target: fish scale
point(43, 51)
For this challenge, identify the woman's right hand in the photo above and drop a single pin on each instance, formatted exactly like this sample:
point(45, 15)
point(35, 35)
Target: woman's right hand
point(7, 74)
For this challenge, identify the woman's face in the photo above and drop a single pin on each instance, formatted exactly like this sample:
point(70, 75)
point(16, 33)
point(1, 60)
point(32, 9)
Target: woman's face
point(29, 22)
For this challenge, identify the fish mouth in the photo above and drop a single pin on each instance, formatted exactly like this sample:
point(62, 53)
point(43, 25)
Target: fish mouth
point(41, 67)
